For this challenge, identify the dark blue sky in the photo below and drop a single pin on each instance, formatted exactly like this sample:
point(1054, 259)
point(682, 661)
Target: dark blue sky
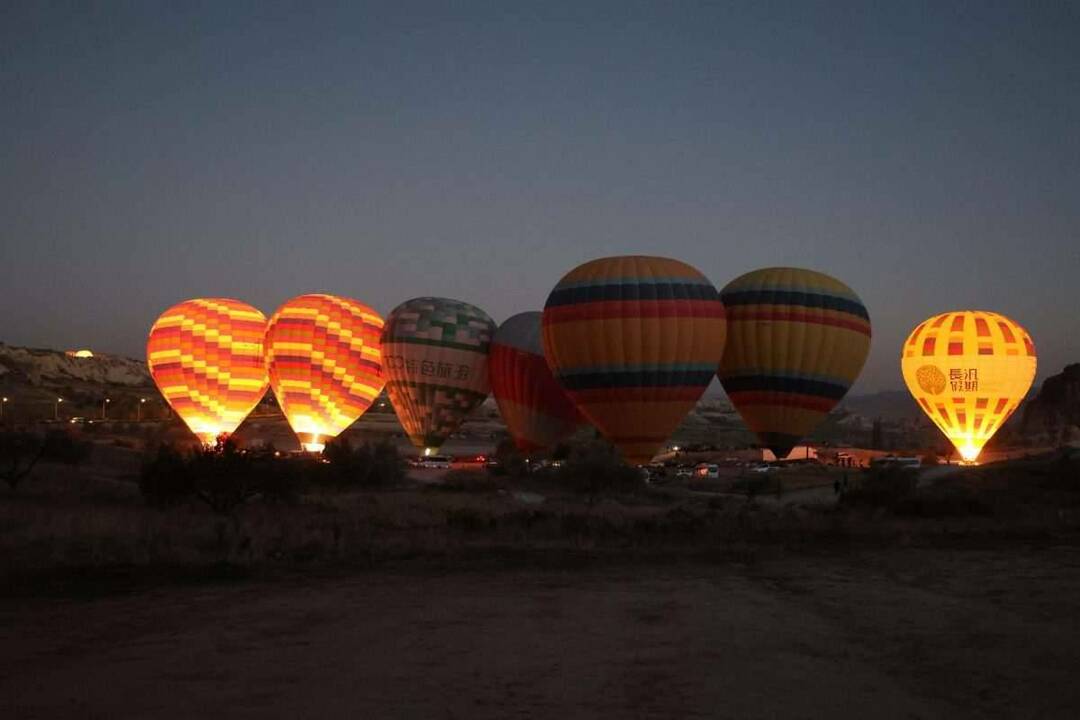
point(926, 154)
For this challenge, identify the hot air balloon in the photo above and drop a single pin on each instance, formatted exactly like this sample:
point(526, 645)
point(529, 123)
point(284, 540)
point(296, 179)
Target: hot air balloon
point(797, 340)
point(635, 341)
point(968, 370)
point(537, 411)
point(206, 357)
point(324, 358)
point(436, 354)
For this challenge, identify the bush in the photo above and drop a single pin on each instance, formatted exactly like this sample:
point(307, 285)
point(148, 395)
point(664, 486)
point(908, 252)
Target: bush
point(949, 500)
point(754, 485)
point(226, 476)
point(596, 468)
point(883, 487)
point(61, 446)
point(468, 481)
point(511, 461)
point(369, 465)
point(19, 452)
point(223, 477)
point(166, 479)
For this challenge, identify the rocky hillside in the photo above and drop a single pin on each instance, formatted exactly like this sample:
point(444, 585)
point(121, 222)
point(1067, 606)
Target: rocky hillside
point(32, 379)
point(51, 368)
point(1054, 413)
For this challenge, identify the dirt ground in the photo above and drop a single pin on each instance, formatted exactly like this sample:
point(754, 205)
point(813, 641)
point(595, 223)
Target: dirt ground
point(902, 634)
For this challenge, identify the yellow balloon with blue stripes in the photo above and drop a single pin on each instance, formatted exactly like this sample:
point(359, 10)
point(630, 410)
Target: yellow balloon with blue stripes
point(634, 340)
point(797, 340)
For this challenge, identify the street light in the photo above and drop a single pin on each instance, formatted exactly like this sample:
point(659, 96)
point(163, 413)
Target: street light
point(141, 401)
point(104, 403)
point(2, 404)
point(56, 408)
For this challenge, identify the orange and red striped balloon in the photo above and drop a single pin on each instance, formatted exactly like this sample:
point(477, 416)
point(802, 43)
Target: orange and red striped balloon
point(537, 411)
point(324, 358)
point(206, 357)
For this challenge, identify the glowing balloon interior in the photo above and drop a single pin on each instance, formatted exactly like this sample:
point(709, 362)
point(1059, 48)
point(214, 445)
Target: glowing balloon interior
point(324, 358)
point(797, 340)
point(206, 357)
point(969, 370)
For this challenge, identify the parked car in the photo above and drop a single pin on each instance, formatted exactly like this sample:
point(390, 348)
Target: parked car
point(684, 471)
point(465, 462)
point(440, 462)
point(706, 471)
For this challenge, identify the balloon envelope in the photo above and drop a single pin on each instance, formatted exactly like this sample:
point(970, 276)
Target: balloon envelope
point(968, 370)
point(537, 411)
point(206, 357)
point(635, 341)
point(797, 340)
point(436, 358)
point(324, 358)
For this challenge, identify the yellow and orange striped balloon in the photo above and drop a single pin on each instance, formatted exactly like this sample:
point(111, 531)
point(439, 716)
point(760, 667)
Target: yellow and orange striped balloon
point(324, 357)
point(206, 357)
point(969, 370)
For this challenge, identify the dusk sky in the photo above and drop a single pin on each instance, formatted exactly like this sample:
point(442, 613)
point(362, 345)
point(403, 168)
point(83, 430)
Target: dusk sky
point(926, 154)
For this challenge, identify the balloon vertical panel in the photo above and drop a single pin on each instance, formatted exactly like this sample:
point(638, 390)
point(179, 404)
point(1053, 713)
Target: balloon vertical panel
point(797, 340)
point(206, 357)
point(436, 357)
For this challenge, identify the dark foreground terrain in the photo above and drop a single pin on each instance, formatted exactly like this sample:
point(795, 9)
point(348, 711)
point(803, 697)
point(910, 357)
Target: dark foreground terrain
point(915, 633)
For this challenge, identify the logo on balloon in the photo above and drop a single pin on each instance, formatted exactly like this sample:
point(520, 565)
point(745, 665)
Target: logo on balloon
point(931, 379)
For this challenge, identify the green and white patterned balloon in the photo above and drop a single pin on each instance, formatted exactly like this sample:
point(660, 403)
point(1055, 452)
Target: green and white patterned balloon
point(435, 354)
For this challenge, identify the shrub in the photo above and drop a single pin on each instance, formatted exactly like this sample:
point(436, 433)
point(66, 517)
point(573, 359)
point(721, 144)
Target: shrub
point(227, 476)
point(369, 465)
point(511, 461)
point(596, 468)
point(223, 477)
point(754, 485)
point(61, 446)
point(883, 487)
point(166, 479)
point(468, 481)
point(947, 500)
point(19, 452)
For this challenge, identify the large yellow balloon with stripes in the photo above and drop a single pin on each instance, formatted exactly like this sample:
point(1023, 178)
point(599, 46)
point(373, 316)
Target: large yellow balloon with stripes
point(324, 356)
point(968, 370)
point(206, 357)
point(634, 341)
point(797, 340)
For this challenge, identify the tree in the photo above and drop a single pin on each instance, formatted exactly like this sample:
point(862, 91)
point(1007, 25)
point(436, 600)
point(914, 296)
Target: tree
point(596, 468)
point(19, 453)
point(876, 435)
point(510, 459)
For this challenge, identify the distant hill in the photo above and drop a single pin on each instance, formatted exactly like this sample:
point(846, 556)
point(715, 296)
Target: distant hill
point(49, 368)
point(890, 405)
point(32, 379)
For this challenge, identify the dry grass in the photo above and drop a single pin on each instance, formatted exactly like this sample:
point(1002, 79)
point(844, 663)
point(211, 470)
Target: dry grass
point(68, 520)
